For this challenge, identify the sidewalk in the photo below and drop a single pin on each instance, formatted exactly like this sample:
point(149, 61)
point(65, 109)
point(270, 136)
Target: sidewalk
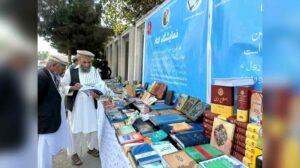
point(63, 161)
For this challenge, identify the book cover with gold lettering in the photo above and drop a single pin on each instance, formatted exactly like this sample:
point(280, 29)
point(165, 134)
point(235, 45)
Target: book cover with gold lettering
point(222, 100)
point(256, 107)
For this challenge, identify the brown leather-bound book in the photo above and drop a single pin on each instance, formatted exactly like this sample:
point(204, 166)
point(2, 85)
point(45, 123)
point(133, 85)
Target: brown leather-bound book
point(207, 126)
point(239, 149)
point(160, 92)
point(240, 143)
point(240, 137)
point(208, 114)
point(222, 95)
point(237, 123)
point(243, 98)
point(238, 156)
point(240, 130)
point(208, 121)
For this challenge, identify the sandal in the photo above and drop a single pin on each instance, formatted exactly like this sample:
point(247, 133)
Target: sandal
point(76, 160)
point(93, 152)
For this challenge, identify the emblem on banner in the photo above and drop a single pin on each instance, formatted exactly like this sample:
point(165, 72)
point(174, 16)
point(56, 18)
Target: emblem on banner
point(166, 17)
point(192, 5)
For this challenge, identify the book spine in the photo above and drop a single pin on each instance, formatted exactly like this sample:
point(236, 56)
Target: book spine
point(209, 115)
point(243, 98)
point(251, 135)
point(207, 126)
point(208, 121)
point(240, 138)
point(222, 110)
point(238, 156)
point(240, 131)
point(240, 143)
point(239, 149)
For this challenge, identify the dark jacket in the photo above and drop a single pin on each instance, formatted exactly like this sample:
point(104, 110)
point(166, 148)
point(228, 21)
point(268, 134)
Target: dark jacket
point(49, 103)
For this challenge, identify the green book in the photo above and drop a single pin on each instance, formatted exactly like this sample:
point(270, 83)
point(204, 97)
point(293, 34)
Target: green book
point(194, 154)
point(214, 152)
point(157, 136)
point(126, 129)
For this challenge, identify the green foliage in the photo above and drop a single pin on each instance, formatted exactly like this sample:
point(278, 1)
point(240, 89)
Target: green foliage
point(119, 14)
point(43, 55)
point(70, 25)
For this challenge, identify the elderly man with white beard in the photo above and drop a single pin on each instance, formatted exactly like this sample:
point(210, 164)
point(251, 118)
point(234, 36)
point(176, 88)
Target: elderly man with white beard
point(85, 111)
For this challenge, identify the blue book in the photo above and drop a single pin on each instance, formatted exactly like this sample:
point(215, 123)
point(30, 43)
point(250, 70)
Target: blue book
point(116, 116)
point(196, 127)
point(190, 138)
point(167, 119)
point(161, 107)
point(144, 154)
point(153, 165)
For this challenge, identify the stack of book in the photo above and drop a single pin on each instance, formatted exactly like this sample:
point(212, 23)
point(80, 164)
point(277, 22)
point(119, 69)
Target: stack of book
point(202, 152)
point(246, 141)
point(167, 119)
point(143, 127)
point(144, 154)
point(164, 148)
point(222, 100)
point(189, 138)
point(208, 121)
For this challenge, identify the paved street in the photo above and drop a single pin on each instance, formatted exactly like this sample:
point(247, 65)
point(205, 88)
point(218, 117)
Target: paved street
point(63, 161)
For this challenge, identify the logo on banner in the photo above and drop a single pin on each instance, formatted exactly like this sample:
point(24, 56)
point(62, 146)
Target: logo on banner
point(193, 5)
point(166, 17)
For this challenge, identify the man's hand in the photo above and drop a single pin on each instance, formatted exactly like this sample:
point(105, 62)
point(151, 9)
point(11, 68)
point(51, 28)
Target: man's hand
point(94, 95)
point(77, 86)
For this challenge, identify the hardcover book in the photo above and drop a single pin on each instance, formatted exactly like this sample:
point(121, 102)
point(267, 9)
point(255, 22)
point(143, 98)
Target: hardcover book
point(161, 107)
point(223, 161)
point(256, 107)
point(167, 119)
point(153, 165)
point(127, 147)
point(222, 135)
point(126, 129)
point(190, 102)
point(208, 121)
point(161, 91)
point(237, 123)
point(203, 152)
point(181, 101)
point(189, 138)
point(164, 148)
point(222, 100)
point(117, 125)
point(197, 110)
point(130, 138)
point(144, 154)
point(180, 160)
point(157, 136)
point(143, 127)
point(169, 97)
point(209, 115)
point(178, 127)
point(117, 116)
point(243, 98)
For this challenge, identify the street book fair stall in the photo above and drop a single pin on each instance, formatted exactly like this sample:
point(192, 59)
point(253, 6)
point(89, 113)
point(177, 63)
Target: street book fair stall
point(200, 102)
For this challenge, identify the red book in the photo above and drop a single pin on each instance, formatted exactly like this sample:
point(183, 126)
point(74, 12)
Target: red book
point(240, 130)
point(243, 98)
point(208, 121)
point(240, 137)
point(161, 91)
point(237, 123)
point(239, 149)
point(238, 156)
point(222, 95)
point(240, 143)
point(207, 126)
point(209, 115)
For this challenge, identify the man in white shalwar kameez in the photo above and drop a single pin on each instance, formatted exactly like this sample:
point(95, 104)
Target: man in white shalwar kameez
point(85, 111)
point(54, 133)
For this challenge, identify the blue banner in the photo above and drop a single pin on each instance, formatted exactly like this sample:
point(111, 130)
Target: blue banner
point(237, 39)
point(175, 47)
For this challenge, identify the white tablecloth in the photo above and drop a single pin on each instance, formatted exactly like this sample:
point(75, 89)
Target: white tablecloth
point(111, 152)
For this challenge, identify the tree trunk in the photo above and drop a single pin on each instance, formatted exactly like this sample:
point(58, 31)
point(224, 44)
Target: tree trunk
point(69, 56)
